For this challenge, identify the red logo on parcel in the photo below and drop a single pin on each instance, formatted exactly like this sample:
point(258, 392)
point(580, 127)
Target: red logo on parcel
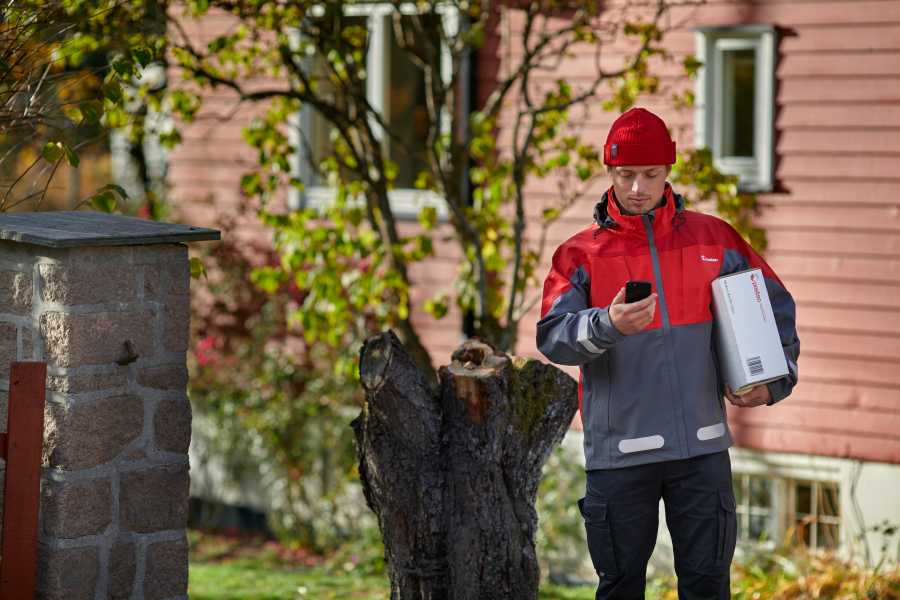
point(754, 281)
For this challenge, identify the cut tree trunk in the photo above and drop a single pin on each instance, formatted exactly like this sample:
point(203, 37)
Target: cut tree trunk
point(453, 473)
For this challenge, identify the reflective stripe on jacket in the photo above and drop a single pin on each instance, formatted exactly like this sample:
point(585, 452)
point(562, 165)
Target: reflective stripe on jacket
point(655, 395)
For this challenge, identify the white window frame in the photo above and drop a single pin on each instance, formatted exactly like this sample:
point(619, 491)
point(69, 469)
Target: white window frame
point(756, 173)
point(785, 471)
point(746, 509)
point(405, 202)
point(815, 487)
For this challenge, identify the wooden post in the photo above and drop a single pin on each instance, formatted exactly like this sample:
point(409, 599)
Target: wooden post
point(21, 496)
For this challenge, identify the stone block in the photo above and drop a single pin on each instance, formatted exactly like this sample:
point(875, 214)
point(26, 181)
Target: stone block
point(8, 347)
point(88, 281)
point(122, 565)
point(95, 338)
point(172, 425)
point(87, 382)
point(153, 282)
point(178, 277)
point(81, 435)
point(154, 499)
point(67, 574)
point(177, 323)
point(73, 509)
point(172, 376)
point(15, 292)
point(166, 570)
point(159, 254)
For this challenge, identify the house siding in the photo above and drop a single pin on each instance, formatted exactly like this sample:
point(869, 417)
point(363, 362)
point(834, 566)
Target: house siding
point(833, 224)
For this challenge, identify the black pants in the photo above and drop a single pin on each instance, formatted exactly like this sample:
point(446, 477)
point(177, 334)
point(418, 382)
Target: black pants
point(621, 510)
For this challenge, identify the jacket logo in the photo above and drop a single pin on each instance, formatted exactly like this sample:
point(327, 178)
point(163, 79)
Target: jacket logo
point(708, 258)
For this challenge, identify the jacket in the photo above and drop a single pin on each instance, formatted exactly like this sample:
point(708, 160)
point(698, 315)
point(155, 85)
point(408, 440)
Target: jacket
point(655, 395)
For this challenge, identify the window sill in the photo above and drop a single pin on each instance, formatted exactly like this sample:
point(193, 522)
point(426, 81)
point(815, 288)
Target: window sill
point(406, 203)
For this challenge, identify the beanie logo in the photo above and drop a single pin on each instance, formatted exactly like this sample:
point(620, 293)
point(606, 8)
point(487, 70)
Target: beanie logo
point(614, 150)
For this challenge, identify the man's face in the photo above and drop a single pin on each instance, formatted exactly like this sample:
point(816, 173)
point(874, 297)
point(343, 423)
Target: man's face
point(639, 188)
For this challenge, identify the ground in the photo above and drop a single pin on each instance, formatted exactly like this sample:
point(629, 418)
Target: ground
point(238, 567)
point(232, 567)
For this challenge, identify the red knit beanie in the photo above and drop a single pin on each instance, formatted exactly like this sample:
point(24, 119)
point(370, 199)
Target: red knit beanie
point(638, 137)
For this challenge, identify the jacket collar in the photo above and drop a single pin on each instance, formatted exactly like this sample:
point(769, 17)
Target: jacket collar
point(608, 215)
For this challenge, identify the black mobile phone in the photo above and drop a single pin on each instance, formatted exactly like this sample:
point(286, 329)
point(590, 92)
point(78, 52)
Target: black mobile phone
point(637, 290)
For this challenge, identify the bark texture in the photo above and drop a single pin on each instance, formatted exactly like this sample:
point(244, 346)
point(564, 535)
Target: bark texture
point(453, 473)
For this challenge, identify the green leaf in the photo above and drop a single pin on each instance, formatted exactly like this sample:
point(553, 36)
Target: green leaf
point(92, 112)
point(143, 55)
point(52, 152)
point(170, 139)
point(198, 269)
point(551, 213)
point(390, 170)
point(113, 92)
point(251, 184)
point(428, 217)
point(118, 189)
point(268, 279)
point(104, 202)
point(123, 67)
point(74, 114)
point(437, 307)
point(71, 155)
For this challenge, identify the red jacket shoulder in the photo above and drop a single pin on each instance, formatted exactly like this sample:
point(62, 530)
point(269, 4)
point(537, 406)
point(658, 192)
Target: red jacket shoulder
point(711, 227)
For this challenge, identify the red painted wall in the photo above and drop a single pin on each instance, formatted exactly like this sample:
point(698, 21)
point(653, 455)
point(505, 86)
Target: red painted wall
point(834, 232)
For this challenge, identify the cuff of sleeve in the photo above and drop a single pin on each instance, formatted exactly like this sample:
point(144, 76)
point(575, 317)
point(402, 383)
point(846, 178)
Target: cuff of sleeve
point(775, 394)
point(614, 334)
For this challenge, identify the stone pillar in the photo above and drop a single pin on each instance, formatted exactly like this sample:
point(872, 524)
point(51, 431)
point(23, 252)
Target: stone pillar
point(105, 301)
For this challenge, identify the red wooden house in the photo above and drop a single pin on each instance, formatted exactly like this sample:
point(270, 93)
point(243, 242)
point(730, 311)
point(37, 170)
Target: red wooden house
point(801, 98)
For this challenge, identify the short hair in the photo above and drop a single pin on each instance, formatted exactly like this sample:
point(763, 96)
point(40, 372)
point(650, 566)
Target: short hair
point(611, 168)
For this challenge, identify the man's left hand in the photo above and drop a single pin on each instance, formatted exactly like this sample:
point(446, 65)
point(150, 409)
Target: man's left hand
point(756, 396)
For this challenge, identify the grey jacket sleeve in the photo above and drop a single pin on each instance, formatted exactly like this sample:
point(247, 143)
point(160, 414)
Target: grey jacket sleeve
point(570, 331)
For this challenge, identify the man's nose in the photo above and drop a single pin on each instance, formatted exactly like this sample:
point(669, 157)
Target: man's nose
point(639, 186)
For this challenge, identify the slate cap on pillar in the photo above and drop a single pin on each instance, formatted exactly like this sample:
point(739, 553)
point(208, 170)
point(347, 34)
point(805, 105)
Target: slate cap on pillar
point(70, 228)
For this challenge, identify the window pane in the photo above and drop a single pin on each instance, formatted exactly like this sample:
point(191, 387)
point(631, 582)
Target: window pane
point(315, 137)
point(739, 68)
point(804, 499)
point(802, 530)
point(828, 536)
point(828, 500)
point(760, 492)
point(406, 105)
point(759, 528)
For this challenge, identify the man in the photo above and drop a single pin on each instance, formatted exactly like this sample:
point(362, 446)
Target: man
point(650, 392)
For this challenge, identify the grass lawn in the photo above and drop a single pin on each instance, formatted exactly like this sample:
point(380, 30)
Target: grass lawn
point(233, 568)
point(242, 568)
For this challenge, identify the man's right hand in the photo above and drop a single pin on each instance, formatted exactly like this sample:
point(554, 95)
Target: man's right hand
point(634, 316)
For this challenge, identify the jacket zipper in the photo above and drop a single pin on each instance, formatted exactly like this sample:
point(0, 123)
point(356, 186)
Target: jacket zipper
point(678, 405)
point(657, 273)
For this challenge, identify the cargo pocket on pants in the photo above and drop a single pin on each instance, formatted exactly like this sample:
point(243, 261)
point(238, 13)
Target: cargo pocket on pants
point(727, 528)
point(599, 538)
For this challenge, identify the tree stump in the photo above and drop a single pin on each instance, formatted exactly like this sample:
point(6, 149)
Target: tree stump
point(452, 474)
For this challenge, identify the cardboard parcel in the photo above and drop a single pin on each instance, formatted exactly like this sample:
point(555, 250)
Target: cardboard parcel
point(748, 345)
